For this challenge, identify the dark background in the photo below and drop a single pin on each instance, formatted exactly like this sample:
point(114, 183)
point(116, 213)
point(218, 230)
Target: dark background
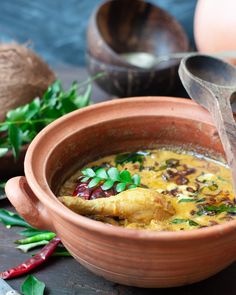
point(56, 29)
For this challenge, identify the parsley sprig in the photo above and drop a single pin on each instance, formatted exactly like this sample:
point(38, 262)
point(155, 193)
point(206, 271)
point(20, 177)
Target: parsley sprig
point(23, 123)
point(107, 178)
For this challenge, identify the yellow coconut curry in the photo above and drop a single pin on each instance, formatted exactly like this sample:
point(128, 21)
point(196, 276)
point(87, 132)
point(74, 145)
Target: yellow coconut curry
point(154, 189)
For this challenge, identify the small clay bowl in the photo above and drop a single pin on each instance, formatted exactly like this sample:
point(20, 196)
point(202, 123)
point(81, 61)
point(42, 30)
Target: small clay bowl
point(124, 26)
point(132, 257)
point(125, 82)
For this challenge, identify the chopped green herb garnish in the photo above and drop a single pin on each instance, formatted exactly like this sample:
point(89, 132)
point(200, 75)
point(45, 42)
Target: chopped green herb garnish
point(131, 158)
point(192, 223)
point(189, 221)
point(221, 208)
point(178, 221)
point(186, 200)
point(216, 209)
point(201, 200)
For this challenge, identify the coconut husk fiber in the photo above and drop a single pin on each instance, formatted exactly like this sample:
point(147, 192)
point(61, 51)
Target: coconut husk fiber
point(23, 76)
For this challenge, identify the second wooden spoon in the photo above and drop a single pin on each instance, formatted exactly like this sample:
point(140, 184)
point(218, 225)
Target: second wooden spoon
point(211, 82)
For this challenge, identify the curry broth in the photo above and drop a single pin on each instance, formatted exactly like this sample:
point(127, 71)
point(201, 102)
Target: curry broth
point(199, 188)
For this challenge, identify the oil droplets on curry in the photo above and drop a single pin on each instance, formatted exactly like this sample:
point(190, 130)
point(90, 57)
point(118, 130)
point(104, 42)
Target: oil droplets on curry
point(154, 189)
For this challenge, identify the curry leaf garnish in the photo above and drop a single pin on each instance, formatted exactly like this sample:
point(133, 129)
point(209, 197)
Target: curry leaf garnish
point(192, 223)
point(178, 221)
point(108, 177)
point(189, 221)
point(186, 200)
point(131, 157)
point(107, 184)
point(23, 123)
point(201, 200)
point(217, 209)
point(32, 286)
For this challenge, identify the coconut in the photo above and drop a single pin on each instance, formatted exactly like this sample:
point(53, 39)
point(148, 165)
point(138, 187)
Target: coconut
point(23, 76)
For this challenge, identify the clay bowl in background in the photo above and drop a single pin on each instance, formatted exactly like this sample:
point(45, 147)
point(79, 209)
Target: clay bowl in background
point(132, 257)
point(125, 82)
point(122, 26)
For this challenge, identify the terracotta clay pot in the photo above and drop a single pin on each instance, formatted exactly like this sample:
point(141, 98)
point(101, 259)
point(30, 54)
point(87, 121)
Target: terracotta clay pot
point(127, 256)
point(215, 26)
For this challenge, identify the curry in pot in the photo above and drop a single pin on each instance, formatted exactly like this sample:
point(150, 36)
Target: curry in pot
point(154, 189)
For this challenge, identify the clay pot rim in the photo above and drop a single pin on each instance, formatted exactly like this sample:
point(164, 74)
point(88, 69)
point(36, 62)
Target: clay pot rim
point(50, 200)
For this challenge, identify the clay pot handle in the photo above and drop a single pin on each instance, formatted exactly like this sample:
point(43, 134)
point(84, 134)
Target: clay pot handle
point(27, 204)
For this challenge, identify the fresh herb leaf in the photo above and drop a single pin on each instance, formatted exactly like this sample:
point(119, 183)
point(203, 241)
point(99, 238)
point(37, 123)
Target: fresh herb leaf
point(189, 221)
point(178, 221)
point(107, 184)
point(23, 123)
point(94, 182)
point(89, 172)
point(192, 223)
point(125, 176)
point(220, 209)
point(131, 157)
point(15, 139)
point(113, 174)
point(201, 200)
point(32, 286)
point(108, 177)
point(186, 200)
point(12, 219)
point(120, 187)
point(101, 173)
point(84, 179)
point(132, 186)
point(136, 179)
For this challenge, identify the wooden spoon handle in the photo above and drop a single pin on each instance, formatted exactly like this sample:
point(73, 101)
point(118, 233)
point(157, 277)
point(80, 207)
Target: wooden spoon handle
point(226, 126)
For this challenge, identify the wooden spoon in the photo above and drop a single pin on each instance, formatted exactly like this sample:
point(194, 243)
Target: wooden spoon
point(211, 82)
